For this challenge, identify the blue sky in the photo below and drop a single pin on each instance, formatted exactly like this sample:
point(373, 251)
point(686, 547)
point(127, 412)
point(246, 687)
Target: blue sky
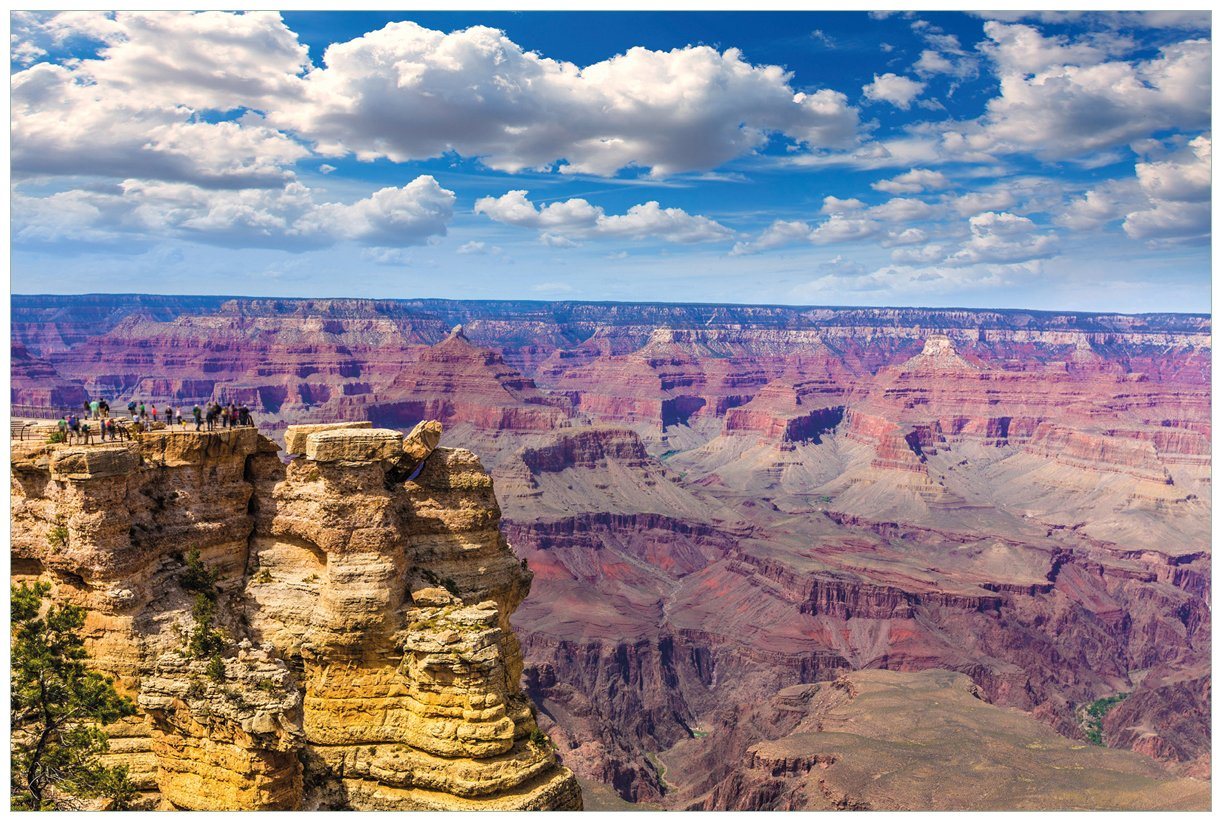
point(1056, 161)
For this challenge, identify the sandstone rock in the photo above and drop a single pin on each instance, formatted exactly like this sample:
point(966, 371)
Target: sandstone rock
point(354, 445)
point(422, 440)
point(93, 462)
point(295, 435)
point(176, 447)
point(433, 597)
point(327, 662)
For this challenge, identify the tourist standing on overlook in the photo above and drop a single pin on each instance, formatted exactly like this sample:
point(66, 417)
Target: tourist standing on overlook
point(198, 415)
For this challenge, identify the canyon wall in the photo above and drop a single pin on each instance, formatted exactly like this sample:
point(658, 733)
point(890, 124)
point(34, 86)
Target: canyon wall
point(721, 503)
point(331, 632)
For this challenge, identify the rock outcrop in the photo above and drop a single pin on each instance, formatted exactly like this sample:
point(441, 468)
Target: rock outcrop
point(330, 633)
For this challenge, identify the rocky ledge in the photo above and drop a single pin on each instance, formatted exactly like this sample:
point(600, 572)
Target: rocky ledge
point(330, 632)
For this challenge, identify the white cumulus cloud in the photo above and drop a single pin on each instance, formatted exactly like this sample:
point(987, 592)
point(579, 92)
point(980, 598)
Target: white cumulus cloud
point(406, 92)
point(565, 223)
point(913, 181)
point(895, 89)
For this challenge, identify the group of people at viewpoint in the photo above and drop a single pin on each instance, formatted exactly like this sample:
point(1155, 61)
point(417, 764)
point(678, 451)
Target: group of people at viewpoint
point(75, 428)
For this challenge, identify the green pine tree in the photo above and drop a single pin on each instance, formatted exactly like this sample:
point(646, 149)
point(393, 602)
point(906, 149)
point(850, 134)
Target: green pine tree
point(58, 708)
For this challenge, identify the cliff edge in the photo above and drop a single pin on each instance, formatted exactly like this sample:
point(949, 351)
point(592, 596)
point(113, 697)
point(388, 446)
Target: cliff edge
point(327, 633)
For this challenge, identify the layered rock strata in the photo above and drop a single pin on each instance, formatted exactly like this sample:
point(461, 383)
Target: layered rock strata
point(328, 633)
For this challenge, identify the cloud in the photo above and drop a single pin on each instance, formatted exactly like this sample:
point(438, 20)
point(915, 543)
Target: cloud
point(835, 205)
point(902, 210)
point(62, 125)
point(147, 105)
point(514, 208)
point(1167, 201)
point(387, 256)
point(894, 89)
point(909, 236)
point(1109, 19)
point(478, 247)
point(913, 182)
point(1024, 50)
point(1182, 178)
point(564, 223)
point(918, 281)
point(839, 229)
point(1101, 205)
point(406, 92)
point(780, 233)
point(823, 38)
point(133, 110)
point(1178, 192)
point(287, 218)
point(1002, 237)
point(944, 55)
point(931, 62)
point(992, 199)
point(924, 255)
point(1061, 99)
point(410, 215)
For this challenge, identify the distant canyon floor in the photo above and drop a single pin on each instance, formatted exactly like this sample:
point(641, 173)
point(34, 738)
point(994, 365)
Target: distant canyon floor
point(783, 558)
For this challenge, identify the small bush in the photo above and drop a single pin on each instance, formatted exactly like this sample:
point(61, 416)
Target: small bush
point(216, 668)
point(58, 536)
point(198, 578)
point(1093, 714)
point(56, 438)
point(196, 689)
point(204, 640)
point(540, 739)
point(263, 577)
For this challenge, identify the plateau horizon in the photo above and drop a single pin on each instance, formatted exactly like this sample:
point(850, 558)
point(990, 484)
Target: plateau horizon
point(694, 304)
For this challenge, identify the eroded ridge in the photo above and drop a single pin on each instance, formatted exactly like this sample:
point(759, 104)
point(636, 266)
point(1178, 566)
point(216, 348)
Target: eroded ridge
point(327, 632)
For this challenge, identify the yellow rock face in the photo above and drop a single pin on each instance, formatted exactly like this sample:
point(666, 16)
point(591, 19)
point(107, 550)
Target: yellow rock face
point(295, 435)
point(362, 600)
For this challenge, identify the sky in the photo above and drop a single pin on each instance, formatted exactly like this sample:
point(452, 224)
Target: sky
point(1048, 160)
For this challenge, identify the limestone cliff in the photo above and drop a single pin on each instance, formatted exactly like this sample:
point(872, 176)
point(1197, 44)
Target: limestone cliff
point(331, 632)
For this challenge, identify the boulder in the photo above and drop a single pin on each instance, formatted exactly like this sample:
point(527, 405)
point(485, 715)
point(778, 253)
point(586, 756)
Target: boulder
point(354, 445)
point(422, 440)
point(295, 435)
point(93, 462)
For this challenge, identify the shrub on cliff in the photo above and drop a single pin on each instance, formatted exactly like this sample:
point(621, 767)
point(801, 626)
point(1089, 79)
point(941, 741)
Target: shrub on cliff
point(58, 706)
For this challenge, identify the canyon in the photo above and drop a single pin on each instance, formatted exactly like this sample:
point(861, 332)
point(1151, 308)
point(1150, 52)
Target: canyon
point(770, 546)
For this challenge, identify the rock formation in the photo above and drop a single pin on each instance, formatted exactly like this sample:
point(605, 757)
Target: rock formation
point(328, 633)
